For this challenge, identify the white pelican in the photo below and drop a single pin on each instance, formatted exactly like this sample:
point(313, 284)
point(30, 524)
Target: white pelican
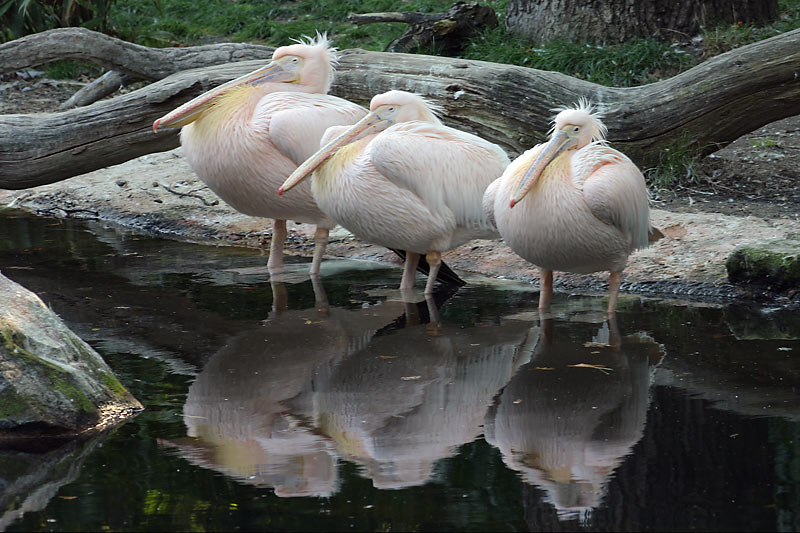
point(246, 136)
point(573, 204)
point(401, 179)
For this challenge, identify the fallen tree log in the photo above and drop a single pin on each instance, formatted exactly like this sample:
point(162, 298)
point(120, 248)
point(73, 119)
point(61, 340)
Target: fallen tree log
point(700, 110)
point(137, 61)
point(447, 33)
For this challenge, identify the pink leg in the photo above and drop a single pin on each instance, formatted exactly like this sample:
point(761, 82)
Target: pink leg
point(409, 270)
point(614, 281)
point(279, 234)
point(320, 243)
point(435, 261)
point(545, 289)
point(280, 297)
point(323, 309)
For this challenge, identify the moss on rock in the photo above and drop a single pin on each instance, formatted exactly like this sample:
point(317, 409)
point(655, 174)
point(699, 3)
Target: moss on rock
point(771, 265)
point(48, 375)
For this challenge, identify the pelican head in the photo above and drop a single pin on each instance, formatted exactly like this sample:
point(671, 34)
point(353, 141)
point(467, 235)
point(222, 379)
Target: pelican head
point(573, 128)
point(393, 107)
point(307, 66)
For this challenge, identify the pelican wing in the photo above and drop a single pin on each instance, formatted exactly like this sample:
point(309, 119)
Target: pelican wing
point(615, 191)
point(297, 121)
point(444, 167)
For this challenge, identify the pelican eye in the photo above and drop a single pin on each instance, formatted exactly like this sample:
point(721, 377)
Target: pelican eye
point(576, 129)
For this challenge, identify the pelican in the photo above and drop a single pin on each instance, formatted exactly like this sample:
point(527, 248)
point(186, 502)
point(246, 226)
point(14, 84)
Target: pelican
point(246, 136)
point(573, 204)
point(401, 179)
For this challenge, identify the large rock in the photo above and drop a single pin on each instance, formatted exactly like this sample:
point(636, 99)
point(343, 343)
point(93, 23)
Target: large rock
point(51, 382)
point(773, 265)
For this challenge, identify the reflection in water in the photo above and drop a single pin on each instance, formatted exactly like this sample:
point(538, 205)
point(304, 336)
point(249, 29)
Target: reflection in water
point(381, 386)
point(567, 419)
point(411, 397)
point(236, 413)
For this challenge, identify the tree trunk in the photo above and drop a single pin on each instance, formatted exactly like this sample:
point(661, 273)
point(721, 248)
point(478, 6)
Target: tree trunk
point(700, 110)
point(615, 21)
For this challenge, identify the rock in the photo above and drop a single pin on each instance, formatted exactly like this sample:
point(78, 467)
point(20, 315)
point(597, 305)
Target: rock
point(51, 382)
point(773, 265)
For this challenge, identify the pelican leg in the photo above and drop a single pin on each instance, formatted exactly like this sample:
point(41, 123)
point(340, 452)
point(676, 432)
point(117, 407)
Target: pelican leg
point(434, 327)
point(280, 297)
point(279, 234)
point(545, 289)
point(320, 243)
point(614, 281)
point(323, 308)
point(409, 271)
point(435, 261)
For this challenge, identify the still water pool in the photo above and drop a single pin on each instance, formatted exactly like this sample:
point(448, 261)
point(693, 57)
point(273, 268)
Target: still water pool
point(284, 404)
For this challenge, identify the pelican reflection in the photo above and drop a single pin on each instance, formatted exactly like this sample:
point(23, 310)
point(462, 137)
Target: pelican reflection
point(236, 411)
point(413, 395)
point(568, 418)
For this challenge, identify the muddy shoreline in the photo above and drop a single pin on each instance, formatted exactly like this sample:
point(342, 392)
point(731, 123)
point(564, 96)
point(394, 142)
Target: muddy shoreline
point(159, 194)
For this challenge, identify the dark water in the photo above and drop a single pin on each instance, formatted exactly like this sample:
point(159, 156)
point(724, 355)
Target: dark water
point(292, 406)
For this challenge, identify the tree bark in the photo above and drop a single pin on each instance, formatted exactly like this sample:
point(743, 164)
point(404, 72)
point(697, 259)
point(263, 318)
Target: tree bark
point(106, 84)
point(615, 21)
point(700, 110)
point(139, 62)
point(446, 32)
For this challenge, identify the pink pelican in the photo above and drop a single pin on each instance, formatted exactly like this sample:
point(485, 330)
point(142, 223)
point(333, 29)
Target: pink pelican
point(585, 208)
point(401, 179)
point(246, 136)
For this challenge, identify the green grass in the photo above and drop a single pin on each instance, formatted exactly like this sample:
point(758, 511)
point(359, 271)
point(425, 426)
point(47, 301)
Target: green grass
point(635, 62)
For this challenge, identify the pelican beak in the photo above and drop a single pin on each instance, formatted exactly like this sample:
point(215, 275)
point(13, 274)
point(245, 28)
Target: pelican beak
point(281, 70)
point(560, 141)
point(372, 118)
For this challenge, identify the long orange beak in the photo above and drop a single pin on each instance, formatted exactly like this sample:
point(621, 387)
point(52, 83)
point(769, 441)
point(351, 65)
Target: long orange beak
point(559, 142)
point(309, 165)
point(276, 71)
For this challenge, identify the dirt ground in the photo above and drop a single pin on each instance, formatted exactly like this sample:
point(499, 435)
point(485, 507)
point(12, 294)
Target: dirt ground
point(748, 192)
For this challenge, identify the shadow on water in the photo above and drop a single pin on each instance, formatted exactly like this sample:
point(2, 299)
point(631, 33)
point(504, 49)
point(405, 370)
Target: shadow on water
point(285, 403)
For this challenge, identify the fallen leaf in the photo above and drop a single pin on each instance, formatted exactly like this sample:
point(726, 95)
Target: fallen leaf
point(544, 368)
point(601, 368)
point(591, 344)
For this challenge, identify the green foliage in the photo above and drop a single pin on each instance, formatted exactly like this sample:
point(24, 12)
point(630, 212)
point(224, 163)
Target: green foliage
point(72, 70)
point(675, 165)
point(21, 17)
point(720, 39)
point(635, 62)
point(764, 142)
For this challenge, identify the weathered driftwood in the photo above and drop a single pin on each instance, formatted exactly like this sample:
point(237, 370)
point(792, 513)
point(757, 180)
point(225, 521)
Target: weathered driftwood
point(446, 32)
point(139, 62)
point(99, 88)
point(701, 109)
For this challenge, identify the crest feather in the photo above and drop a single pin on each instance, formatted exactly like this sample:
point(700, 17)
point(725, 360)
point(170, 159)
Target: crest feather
point(584, 105)
point(321, 41)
